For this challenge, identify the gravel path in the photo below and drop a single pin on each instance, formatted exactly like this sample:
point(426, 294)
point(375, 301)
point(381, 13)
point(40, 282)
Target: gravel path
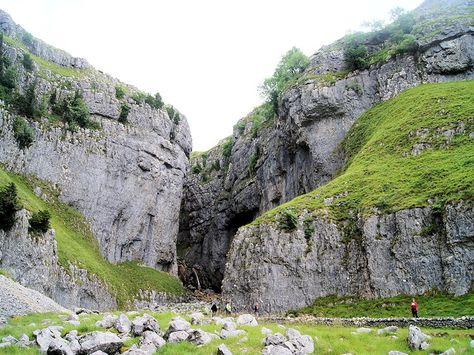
point(16, 299)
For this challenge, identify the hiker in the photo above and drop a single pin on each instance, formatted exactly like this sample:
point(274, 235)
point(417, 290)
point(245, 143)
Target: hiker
point(228, 308)
point(256, 309)
point(214, 309)
point(414, 308)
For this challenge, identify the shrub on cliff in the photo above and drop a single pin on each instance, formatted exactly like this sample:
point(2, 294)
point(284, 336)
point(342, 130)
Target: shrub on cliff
point(22, 132)
point(355, 52)
point(27, 62)
point(119, 92)
point(290, 67)
point(9, 205)
point(124, 111)
point(39, 222)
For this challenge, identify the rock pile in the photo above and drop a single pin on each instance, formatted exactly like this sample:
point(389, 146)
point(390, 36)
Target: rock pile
point(290, 343)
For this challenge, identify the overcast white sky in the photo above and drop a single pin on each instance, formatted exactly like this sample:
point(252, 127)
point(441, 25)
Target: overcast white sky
point(206, 57)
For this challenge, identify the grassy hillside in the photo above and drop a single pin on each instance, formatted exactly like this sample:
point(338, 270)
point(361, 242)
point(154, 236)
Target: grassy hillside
point(77, 245)
point(411, 151)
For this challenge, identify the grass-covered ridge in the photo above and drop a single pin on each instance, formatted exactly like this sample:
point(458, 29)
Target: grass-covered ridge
point(431, 305)
point(414, 150)
point(77, 245)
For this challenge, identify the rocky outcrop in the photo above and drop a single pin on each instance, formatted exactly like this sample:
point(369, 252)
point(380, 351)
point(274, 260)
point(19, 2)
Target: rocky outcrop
point(272, 163)
point(394, 254)
point(37, 46)
point(33, 261)
point(126, 179)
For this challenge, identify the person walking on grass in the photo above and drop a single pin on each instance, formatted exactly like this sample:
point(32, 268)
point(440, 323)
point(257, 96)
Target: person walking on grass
point(256, 309)
point(414, 308)
point(214, 308)
point(228, 309)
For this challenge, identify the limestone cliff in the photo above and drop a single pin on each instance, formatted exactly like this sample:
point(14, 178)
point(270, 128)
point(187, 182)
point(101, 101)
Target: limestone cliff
point(33, 261)
point(264, 165)
point(392, 256)
point(125, 178)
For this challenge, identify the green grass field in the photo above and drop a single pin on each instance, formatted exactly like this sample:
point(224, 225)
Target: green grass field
point(430, 306)
point(77, 245)
point(330, 340)
point(382, 170)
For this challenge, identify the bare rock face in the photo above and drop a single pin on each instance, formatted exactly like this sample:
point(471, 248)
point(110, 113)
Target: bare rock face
point(284, 271)
point(298, 151)
point(34, 262)
point(127, 180)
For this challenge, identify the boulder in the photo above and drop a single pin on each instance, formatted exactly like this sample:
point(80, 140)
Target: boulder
point(9, 339)
point(103, 341)
point(134, 350)
point(199, 337)
point(388, 330)
point(247, 319)
point(303, 344)
point(292, 334)
point(417, 339)
point(223, 350)
point(107, 322)
point(229, 325)
point(472, 344)
point(276, 350)
point(59, 347)
point(364, 330)
point(45, 337)
point(275, 339)
point(123, 324)
point(197, 318)
point(144, 323)
point(395, 352)
point(98, 352)
point(176, 325)
point(151, 338)
point(24, 341)
point(179, 336)
point(231, 333)
point(450, 351)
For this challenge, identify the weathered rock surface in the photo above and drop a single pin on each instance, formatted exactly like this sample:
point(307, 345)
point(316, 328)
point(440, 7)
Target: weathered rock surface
point(264, 267)
point(145, 160)
point(417, 340)
point(34, 262)
point(223, 350)
point(100, 341)
point(290, 343)
point(298, 151)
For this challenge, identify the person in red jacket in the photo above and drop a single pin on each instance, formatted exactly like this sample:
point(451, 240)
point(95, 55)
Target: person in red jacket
point(414, 308)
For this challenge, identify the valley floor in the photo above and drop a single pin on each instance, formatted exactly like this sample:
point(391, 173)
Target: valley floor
point(327, 339)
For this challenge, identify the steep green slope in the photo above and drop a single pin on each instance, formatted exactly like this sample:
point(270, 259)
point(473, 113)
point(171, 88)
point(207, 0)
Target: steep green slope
point(414, 150)
point(76, 244)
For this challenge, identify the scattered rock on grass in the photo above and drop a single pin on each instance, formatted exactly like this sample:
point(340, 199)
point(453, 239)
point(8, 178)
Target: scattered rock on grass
point(146, 322)
point(388, 330)
point(417, 339)
point(223, 350)
point(123, 324)
point(199, 337)
point(107, 322)
point(395, 352)
point(179, 336)
point(247, 319)
point(103, 341)
point(450, 351)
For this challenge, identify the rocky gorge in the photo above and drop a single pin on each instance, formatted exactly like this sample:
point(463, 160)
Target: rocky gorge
point(150, 204)
point(262, 166)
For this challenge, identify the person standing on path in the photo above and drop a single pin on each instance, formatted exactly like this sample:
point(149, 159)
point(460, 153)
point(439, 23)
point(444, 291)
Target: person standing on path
point(414, 308)
point(256, 310)
point(228, 309)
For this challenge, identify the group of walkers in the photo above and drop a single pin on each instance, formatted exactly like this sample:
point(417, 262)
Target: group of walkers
point(228, 309)
point(256, 308)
